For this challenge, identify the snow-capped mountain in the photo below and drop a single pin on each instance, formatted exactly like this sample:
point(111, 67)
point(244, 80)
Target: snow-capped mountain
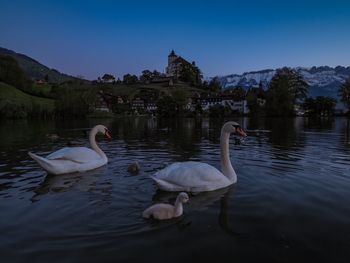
point(323, 81)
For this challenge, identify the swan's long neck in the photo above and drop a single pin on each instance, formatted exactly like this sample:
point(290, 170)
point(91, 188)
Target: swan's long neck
point(178, 208)
point(94, 146)
point(226, 166)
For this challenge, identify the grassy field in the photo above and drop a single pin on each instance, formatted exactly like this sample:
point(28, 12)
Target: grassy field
point(17, 104)
point(41, 90)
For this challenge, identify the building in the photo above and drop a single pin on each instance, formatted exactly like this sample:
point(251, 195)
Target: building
point(177, 63)
point(137, 103)
point(208, 102)
point(163, 80)
point(119, 100)
point(151, 106)
point(148, 105)
point(238, 106)
point(103, 102)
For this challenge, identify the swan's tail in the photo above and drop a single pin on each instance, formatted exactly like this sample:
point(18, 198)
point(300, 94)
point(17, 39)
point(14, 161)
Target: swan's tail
point(43, 162)
point(165, 186)
point(160, 183)
point(147, 213)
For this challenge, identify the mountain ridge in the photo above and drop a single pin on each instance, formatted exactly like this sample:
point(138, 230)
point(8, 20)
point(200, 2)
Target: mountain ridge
point(34, 69)
point(323, 80)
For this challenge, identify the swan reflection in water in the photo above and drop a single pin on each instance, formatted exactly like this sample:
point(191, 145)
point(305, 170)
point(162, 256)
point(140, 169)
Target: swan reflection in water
point(85, 182)
point(200, 202)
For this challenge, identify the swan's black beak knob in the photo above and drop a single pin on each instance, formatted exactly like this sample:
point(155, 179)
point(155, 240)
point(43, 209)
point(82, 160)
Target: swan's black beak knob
point(108, 134)
point(241, 132)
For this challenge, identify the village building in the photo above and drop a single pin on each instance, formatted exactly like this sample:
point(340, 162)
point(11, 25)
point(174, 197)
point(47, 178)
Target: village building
point(143, 104)
point(208, 102)
point(103, 102)
point(151, 106)
point(137, 103)
point(120, 100)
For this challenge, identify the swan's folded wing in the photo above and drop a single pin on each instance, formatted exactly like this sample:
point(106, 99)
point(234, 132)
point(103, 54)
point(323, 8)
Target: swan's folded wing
point(75, 154)
point(191, 174)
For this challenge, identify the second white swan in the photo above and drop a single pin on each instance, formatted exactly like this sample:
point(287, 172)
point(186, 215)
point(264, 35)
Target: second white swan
point(201, 177)
point(75, 159)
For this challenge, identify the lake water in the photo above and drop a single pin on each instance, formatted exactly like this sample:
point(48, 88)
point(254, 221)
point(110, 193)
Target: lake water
point(290, 204)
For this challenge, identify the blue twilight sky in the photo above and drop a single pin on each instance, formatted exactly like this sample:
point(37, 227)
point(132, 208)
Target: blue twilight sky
point(94, 37)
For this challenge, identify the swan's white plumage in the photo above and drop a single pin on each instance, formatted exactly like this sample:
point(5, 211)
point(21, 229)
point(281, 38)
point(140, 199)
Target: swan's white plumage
point(75, 154)
point(74, 159)
point(63, 166)
point(201, 177)
point(190, 177)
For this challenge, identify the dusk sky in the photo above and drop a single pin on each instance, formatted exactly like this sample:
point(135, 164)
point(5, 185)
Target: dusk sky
point(90, 38)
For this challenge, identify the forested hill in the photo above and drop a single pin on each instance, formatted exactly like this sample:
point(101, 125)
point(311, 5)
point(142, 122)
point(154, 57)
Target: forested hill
point(35, 69)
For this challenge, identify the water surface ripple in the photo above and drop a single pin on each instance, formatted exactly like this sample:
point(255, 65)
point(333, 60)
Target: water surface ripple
point(290, 203)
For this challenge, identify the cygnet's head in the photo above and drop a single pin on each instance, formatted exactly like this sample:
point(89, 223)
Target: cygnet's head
point(183, 197)
point(104, 130)
point(233, 127)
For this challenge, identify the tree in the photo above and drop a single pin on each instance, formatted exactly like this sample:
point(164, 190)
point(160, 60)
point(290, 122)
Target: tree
point(74, 99)
point(146, 76)
point(286, 88)
point(130, 79)
point(156, 74)
point(214, 85)
point(12, 74)
point(108, 78)
point(166, 106)
point(180, 98)
point(320, 106)
point(344, 93)
point(255, 98)
point(204, 85)
point(190, 74)
point(309, 105)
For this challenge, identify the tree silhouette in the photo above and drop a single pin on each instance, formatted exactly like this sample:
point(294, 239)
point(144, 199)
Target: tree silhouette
point(108, 78)
point(344, 93)
point(286, 88)
point(321, 105)
point(130, 79)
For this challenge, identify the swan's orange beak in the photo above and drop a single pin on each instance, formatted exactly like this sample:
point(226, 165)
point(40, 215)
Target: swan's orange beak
point(241, 132)
point(108, 134)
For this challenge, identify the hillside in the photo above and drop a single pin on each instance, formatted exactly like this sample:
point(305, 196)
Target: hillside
point(323, 81)
point(15, 103)
point(35, 69)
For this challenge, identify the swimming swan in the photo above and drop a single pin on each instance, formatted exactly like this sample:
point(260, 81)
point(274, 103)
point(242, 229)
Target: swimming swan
point(201, 177)
point(166, 211)
point(75, 159)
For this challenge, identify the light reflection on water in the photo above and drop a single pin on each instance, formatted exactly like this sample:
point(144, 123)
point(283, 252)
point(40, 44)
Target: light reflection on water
point(290, 202)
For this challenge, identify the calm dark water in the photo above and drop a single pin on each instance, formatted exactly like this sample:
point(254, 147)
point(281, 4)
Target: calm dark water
point(291, 202)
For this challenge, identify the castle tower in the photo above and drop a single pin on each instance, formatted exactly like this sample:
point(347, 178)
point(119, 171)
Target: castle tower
point(172, 56)
point(171, 68)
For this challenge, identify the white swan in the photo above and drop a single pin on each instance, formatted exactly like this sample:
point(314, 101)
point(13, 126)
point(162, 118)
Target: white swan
point(166, 211)
point(75, 159)
point(201, 177)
